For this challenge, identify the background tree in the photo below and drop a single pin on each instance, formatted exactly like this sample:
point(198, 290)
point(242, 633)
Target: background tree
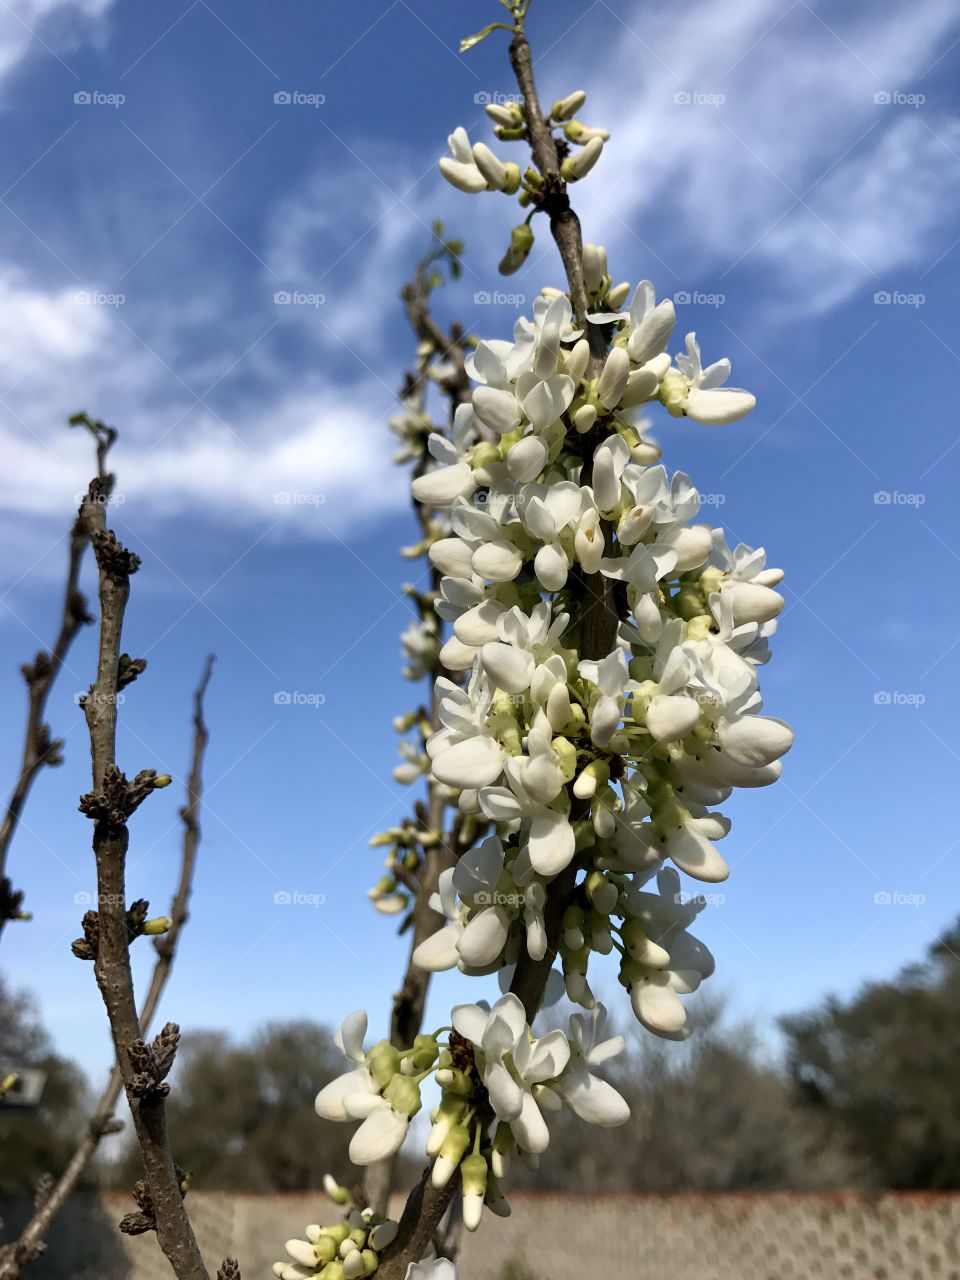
point(35, 1140)
point(886, 1067)
point(712, 1114)
point(241, 1115)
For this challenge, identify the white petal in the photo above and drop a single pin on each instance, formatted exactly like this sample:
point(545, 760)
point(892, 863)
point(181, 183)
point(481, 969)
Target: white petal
point(719, 406)
point(595, 1101)
point(442, 487)
point(478, 624)
point(506, 1096)
point(694, 853)
point(457, 656)
point(349, 1037)
point(527, 458)
point(451, 556)
point(439, 951)
point(496, 409)
point(552, 843)
point(755, 740)
point(475, 762)
point(500, 561)
point(551, 567)
point(380, 1136)
point(672, 716)
point(465, 177)
point(329, 1102)
point(469, 1020)
point(753, 602)
point(530, 1128)
point(510, 669)
point(483, 940)
point(657, 1005)
point(548, 400)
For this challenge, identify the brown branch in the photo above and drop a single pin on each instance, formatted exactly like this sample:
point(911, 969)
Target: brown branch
point(39, 748)
point(14, 1257)
point(109, 804)
point(410, 1000)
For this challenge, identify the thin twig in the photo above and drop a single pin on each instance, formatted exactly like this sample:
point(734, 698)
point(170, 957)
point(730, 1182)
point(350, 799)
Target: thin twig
point(409, 1003)
point(110, 803)
point(39, 748)
point(17, 1255)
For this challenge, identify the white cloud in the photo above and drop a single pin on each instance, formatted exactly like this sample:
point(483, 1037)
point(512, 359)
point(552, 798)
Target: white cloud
point(707, 187)
point(30, 25)
point(315, 455)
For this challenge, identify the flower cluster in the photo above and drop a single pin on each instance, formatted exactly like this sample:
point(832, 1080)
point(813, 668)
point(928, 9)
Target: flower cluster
point(492, 1070)
point(347, 1250)
point(618, 763)
point(596, 649)
point(473, 167)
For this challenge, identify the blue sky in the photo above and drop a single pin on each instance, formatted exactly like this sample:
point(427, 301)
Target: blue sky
point(793, 171)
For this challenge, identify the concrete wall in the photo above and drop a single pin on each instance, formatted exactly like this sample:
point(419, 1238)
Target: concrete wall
point(779, 1236)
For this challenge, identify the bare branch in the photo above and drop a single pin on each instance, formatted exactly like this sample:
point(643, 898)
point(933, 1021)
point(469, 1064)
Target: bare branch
point(39, 748)
point(29, 1245)
point(110, 804)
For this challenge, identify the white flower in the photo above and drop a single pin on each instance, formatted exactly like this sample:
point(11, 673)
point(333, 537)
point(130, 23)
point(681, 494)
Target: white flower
point(436, 1269)
point(460, 167)
point(700, 394)
point(512, 659)
point(593, 1099)
point(514, 1064)
point(610, 678)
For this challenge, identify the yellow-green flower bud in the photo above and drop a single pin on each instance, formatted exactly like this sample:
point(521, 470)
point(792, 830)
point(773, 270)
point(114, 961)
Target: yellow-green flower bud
point(565, 108)
point(158, 925)
point(403, 1094)
point(451, 1153)
point(383, 1060)
point(521, 242)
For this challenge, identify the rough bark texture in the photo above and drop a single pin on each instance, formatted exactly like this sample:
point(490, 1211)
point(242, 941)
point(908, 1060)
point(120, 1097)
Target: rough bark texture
point(110, 842)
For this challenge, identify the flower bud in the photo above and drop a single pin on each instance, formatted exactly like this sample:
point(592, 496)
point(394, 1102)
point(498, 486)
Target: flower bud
point(455, 1080)
point(594, 266)
point(158, 925)
point(593, 775)
point(507, 114)
point(579, 165)
point(383, 1060)
point(565, 108)
point(618, 295)
point(580, 134)
point(383, 1234)
point(473, 1171)
point(403, 1094)
point(338, 1194)
point(301, 1252)
point(451, 1153)
point(521, 242)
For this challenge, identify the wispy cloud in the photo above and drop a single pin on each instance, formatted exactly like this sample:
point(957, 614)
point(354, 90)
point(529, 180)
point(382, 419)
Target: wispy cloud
point(777, 138)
